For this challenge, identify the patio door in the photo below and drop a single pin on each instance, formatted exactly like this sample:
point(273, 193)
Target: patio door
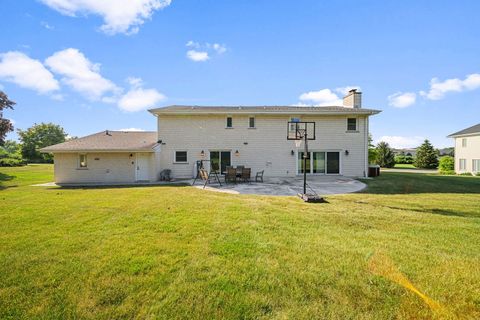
point(222, 159)
point(320, 162)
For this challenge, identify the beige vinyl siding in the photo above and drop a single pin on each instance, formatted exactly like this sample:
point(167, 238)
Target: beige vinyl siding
point(115, 167)
point(468, 151)
point(263, 148)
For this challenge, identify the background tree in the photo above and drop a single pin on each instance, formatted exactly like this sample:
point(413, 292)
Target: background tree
point(5, 125)
point(385, 156)
point(12, 146)
point(372, 152)
point(446, 165)
point(400, 158)
point(10, 154)
point(427, 156)
point(40, 136)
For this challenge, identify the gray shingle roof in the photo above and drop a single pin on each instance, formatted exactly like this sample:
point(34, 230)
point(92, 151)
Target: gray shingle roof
point(471, 130)
point(176, 109)
point(113, 141)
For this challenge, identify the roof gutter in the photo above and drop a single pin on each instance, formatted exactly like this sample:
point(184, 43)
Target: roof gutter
point(46, 150)
point(157, 113)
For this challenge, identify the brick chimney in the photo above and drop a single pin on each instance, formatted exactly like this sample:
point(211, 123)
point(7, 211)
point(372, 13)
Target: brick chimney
point(353, 99)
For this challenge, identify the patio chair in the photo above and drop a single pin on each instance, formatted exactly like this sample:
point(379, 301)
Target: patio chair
point(231, 175)
point(246, 173)
point(239, 171)
point(214, 167)
point(259, 176)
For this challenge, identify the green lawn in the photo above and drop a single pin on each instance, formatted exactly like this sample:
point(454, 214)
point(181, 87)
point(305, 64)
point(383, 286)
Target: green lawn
point(180, 252)
point(404, 166)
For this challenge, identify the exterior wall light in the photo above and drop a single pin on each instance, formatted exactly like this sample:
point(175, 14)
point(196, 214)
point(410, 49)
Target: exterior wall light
point(237, 153)
point(292, 153)
point(202, 154)
point(346, 152)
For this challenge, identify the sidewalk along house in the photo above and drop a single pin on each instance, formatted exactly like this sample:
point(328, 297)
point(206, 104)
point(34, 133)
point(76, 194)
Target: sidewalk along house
point(467, 149)
point(255, 137)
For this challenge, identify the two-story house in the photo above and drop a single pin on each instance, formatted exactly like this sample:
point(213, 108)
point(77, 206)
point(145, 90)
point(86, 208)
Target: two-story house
point(255, 137)
point(467, 150)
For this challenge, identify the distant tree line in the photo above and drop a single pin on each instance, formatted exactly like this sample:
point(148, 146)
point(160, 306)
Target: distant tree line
point(40, 135)
point(427, 157)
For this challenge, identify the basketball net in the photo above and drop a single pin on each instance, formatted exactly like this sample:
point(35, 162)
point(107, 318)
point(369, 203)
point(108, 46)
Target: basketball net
point(300, 135)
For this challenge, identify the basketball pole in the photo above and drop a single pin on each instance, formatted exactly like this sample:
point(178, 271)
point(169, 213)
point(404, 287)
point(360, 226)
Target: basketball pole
point(305, 152)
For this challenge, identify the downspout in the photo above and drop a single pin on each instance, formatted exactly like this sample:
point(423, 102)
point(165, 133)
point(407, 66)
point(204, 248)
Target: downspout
point(365, 172)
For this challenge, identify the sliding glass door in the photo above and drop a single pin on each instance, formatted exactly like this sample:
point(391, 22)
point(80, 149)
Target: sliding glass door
point(221, 160)
point(320, 162)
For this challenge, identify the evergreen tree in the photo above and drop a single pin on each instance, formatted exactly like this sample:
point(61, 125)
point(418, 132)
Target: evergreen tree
point(385, 156)
point(427, 156)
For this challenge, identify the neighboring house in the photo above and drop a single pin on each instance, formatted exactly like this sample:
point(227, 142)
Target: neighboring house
point(255, 137)
point(467, 149)
point(407, 151)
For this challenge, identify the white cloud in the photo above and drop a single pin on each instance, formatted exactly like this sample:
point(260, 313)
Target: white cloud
point(119, 16)
point(134, 82)
point(438, 89)
point(401, 142)
point(140, 99)
point(18, 68)
point(46, 25)
point(81, 75)
point(197, 56)
point(131, 129)
point(324, 97)
point(219, 48)
point(202, 52)
point(345, 90)
point(402, 100)
point(193, 44)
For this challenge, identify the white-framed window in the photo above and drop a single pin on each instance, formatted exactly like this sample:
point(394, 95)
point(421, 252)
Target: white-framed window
point(251, 122)
point(464, 142)
point(82, 161)
point(181, 157)
point(351, 124)
point(476, 165)
point(229, 123)
point(462, 164)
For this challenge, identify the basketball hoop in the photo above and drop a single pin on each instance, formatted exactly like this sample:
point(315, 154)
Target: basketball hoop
point(298, 131)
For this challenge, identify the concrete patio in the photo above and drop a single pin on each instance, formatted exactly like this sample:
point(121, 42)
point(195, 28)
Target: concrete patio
point(322, 185)
point(287, 186)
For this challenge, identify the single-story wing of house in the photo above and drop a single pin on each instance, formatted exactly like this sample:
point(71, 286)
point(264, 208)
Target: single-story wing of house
point(467, 149)
point(221, 136)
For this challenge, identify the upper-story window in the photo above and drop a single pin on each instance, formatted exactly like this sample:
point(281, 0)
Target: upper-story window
point(464, 142)
point(229, 122)
point(251, 122)
point(82, 161)
point(352, 124)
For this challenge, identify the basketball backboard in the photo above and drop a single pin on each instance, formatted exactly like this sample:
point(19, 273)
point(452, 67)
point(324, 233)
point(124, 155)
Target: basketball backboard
point(296, 130)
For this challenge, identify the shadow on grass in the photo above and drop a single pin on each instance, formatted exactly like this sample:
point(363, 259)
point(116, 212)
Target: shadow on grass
point(120, 186)
point(5, 177)
point(409, 183)
point(441, 212)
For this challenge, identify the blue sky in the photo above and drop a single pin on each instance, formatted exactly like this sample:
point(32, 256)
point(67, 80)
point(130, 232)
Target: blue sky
point(94, 65)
